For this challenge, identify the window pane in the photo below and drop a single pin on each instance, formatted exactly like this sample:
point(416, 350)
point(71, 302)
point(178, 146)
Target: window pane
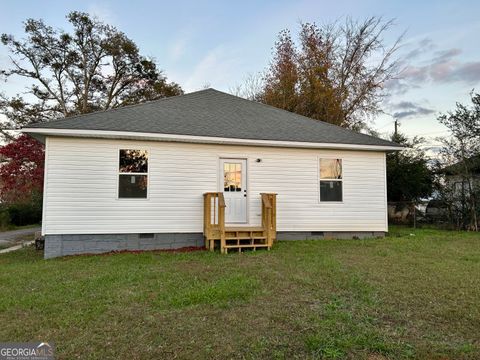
point(330, 191)
point(226, 177)
point(132, 186)
point(135, 161)
point(330, 168)
point(238, 177)
point(232, 177)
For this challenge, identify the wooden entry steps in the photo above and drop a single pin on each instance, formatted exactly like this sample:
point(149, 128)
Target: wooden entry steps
point(238, 237)
point(245, 238)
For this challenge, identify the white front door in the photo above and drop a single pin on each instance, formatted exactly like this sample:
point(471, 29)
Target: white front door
point(233, 183)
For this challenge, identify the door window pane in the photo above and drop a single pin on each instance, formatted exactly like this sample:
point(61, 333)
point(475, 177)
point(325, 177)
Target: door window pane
point(232, 177)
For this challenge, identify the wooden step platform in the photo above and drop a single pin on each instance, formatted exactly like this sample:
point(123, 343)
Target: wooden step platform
point(244, 237)
point(243, 228)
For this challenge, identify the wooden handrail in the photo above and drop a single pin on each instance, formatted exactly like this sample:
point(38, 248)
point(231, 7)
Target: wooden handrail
point(221, 221)
point(214, 218)
point(266, 201)
point(221, 200)
point(269, 216)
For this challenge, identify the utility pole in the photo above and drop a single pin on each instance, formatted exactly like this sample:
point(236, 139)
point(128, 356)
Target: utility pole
point(396, 127)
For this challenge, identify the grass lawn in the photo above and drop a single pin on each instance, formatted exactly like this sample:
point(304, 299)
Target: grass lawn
point(400, 297)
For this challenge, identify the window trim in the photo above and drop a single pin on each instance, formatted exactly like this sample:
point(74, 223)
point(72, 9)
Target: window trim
point(118, 173)
point(330, 157)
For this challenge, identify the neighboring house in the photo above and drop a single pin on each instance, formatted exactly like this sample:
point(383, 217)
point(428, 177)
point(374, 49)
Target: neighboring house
point(455, 179)
point(454, 202)
point(134, 177)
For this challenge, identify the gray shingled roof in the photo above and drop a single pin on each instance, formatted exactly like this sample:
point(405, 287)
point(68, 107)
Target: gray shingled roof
point(216, 114)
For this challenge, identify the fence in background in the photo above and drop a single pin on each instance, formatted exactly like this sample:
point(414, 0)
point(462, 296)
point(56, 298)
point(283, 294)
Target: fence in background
point(430, 212)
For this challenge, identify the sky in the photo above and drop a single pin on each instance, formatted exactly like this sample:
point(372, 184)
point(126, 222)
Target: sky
point(219, 43)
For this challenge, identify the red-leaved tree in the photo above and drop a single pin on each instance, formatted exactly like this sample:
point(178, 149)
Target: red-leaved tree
point(21, 169)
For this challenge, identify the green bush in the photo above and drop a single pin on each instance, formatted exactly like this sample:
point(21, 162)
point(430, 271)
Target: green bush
point(5, 222)
point(25, 213)
point(20, 214)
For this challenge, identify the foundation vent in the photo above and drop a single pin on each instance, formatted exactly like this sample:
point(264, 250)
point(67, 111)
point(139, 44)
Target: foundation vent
point(146, 236)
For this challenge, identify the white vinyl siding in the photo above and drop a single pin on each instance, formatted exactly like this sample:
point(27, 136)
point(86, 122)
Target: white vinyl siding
point(82, 179)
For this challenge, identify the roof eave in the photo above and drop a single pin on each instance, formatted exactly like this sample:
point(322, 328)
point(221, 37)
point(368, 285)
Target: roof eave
point(41, 133)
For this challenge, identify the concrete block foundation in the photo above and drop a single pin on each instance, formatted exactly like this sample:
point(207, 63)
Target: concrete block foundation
point(66, 244)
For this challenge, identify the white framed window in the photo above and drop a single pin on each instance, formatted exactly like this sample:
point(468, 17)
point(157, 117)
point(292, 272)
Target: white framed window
point(331, 180)
point(132, 174)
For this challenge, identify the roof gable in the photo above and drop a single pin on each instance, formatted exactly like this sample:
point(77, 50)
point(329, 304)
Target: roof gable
point(211, 113)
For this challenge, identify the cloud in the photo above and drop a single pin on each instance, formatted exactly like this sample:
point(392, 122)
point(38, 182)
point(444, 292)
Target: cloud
point(398, 86)
point(215, 69)
point(422, 66)
point(421, 47)
point(408, 109)
point(102, 12)
point(467, 72)
point(178, 49)
point(446, 55)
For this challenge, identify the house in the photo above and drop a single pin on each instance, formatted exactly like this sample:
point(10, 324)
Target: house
point(460, 180)
point(166, 173)
point(456, 179)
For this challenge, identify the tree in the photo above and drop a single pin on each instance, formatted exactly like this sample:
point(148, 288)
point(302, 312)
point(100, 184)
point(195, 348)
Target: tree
point(94, 67)
point(251, 88)
point(459, 155)
point(464, 122)
point(409, 177)
point(21, 171)
point(336, 73)
point(282, 78)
